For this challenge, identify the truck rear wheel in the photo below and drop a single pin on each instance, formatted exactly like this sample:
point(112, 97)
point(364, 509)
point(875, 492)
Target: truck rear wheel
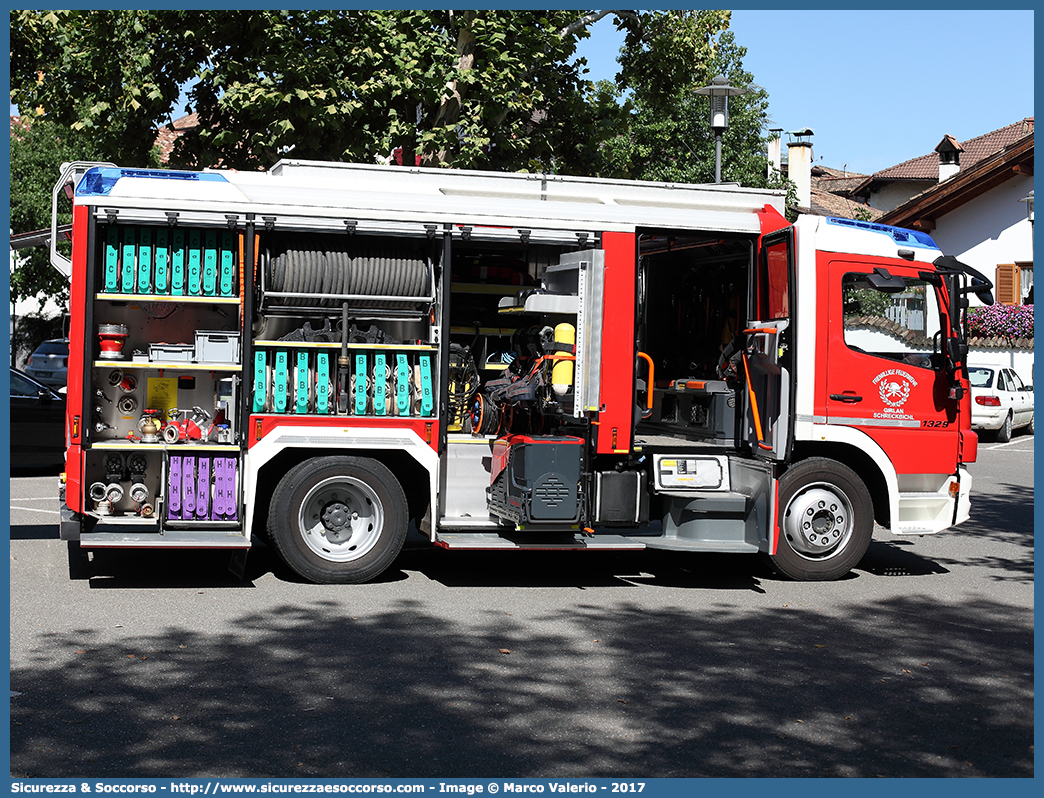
point(338, 519)
point(826, 521)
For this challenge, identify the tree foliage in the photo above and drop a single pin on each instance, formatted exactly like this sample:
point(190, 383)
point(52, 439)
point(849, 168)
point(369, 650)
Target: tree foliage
point(37, 153)
point(472, 89)
point(667, 53)
point(667, 137)
point(459, 88)
point(110, 75)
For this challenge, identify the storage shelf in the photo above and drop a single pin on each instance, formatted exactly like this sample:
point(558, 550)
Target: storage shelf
point(202, 524)
point(122, 444)
point(483, 288)
point(124, 520)
point(541, 303)
point(164, 365)
point(209, 300)
point(351, 346)
point(340, 418)
point(499, 331)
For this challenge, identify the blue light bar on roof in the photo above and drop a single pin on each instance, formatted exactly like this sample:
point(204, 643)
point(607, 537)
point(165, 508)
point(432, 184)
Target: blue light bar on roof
point(99, 180)
point(901, 236)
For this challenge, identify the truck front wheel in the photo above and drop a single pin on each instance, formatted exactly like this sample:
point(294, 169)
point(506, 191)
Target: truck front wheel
point(826, 521)
point(338, 519)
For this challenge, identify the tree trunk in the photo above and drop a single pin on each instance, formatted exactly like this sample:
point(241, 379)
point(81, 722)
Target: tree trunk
point(452, 100)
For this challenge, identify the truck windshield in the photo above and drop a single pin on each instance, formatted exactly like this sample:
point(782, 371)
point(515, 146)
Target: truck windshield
point(901, 327)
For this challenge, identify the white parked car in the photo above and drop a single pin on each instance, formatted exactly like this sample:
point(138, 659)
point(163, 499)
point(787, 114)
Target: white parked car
point(49, 363)
point(1001, 402)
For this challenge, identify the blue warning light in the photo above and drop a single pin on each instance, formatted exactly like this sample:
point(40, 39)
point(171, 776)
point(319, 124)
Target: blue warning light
point(900, 235)
point(99, 180)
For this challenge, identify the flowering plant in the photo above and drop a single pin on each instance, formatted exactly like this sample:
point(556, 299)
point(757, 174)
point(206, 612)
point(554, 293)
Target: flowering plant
point(1005, 321)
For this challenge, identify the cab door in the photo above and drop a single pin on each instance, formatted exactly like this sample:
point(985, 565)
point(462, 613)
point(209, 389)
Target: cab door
point(768, 356)
point(885, 373)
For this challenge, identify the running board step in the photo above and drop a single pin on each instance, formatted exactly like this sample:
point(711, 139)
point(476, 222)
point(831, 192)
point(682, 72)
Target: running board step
point(171, 539)
point(715, 546)
point(534, 541)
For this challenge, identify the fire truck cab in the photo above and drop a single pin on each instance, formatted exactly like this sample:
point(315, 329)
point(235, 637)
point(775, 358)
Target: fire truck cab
point(326, 354)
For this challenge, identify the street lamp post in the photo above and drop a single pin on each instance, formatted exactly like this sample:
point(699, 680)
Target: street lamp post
point(719, 92)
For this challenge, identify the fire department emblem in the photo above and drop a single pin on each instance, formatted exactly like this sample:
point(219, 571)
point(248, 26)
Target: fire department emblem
point(894, 387)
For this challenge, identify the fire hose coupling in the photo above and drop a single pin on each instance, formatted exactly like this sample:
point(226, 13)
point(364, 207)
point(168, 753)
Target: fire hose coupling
point(111, 338)
point(139, 493)
point(97, 492)
point(189, 427)
point(114, 492)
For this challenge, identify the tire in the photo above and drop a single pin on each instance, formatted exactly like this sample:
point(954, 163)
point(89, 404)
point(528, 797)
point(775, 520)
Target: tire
point(1029, 429)
point(1004, 433)
point(826, 520)
point(338, 520)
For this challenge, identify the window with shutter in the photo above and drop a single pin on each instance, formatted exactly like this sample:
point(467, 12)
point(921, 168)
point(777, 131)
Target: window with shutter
point(1026, 282)
point(1007, 284)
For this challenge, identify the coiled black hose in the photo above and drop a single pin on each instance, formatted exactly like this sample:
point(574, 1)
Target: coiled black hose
point(375, 272)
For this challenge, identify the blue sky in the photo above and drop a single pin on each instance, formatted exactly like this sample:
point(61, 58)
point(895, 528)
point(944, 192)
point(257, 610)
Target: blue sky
point(877, 87)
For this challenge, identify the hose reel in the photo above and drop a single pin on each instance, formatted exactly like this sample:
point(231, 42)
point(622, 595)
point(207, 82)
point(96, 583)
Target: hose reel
point(325, 276)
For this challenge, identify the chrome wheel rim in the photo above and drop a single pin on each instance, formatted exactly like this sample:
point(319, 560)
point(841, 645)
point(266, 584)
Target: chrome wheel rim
point(818, 521)
point(341, 519)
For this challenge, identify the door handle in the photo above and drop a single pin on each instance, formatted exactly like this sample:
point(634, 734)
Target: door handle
point(849, 398)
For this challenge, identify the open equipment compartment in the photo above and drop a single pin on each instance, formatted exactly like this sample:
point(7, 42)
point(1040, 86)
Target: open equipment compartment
point(343, 324)
point(163, 380)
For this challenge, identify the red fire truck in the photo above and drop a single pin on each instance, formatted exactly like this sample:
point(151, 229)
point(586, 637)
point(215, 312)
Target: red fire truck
point(325, 354)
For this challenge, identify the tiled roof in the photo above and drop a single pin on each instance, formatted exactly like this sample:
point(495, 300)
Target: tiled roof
point(166, 136)
point(18, 125)
point(825, 203)
point(838, 184)
point(831, 189)
point(829, 172)
point(941, 198)
point(926, 167)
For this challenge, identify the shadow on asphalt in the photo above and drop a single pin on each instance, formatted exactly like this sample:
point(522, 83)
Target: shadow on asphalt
point(906, 686)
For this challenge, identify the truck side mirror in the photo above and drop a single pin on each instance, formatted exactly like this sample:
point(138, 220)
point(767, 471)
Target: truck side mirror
point(982, 290)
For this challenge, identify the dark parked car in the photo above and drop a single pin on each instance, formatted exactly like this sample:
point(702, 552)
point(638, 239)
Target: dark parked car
point(37, 423)
point(49, 364)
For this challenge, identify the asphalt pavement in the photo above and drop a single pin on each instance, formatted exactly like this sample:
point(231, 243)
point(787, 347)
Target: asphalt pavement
point(532, 664)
